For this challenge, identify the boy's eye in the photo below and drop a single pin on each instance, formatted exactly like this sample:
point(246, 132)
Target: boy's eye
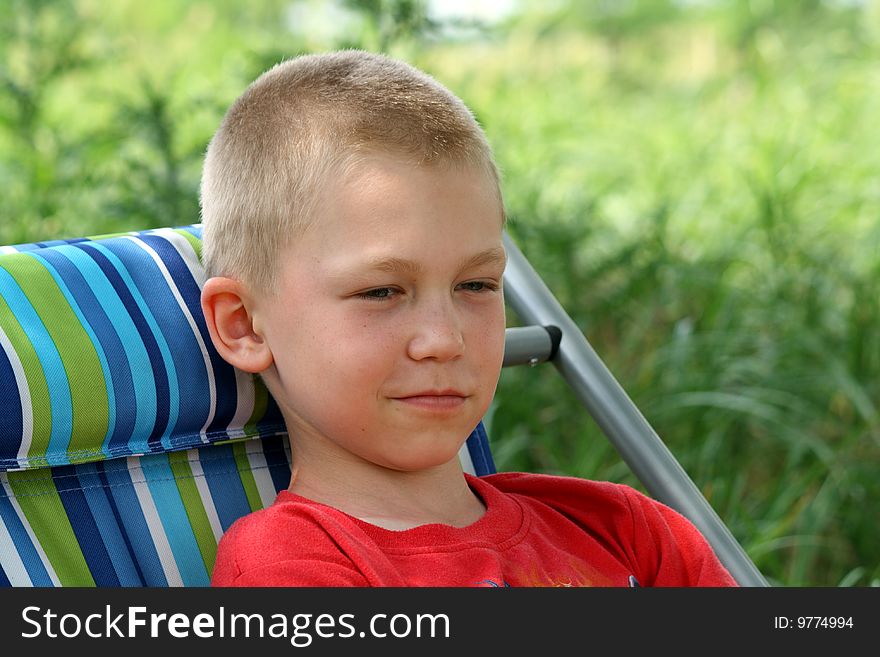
point(377, 294)
point(478, 286)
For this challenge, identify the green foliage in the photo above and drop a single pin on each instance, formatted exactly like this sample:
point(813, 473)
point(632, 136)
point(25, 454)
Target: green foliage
point(696, 181)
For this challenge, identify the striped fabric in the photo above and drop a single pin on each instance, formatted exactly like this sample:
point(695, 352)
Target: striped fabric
point(127, 445)
point(133, 521)
point(104, 352)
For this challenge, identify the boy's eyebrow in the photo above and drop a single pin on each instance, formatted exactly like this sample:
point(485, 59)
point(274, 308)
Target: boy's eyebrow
point(494, 255)
point(400, 265)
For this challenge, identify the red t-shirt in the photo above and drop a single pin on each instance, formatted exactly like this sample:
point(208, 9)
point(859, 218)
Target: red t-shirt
point(538, 530)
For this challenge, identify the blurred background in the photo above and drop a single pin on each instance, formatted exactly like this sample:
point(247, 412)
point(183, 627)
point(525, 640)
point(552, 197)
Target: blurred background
point(698, 181)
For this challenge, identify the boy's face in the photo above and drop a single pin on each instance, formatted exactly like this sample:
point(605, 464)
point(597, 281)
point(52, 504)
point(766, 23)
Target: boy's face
point(387, 332)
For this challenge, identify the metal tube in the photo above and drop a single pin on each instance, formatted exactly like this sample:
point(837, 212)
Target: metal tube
point(618, 417)
point(526, 345)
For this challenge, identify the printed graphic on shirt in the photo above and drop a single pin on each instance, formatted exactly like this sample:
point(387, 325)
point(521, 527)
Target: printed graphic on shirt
point(577, 575)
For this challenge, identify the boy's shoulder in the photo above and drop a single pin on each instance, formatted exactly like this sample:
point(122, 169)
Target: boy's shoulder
point(288, 535)
point(289, 519)
point(269, 524)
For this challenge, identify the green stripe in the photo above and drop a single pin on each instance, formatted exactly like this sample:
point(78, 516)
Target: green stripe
point(36, 383)
point(39, 500)
point(261, 402)
point(105, 236)
point(239, 451)
point(195, 507)
point(85, 377)
point(194, 241)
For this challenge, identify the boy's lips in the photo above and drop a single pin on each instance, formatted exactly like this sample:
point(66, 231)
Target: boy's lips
point(437, 400)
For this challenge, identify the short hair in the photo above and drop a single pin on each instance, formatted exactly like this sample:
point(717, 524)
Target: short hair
point(305, 120)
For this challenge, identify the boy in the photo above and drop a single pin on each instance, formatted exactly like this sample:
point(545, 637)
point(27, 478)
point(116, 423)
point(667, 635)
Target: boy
point(352, 237)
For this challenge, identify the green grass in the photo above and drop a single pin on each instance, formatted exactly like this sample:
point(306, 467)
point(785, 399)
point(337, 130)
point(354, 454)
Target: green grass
point(699, 188)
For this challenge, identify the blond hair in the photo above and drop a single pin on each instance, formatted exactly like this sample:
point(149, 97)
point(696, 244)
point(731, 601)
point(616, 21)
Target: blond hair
point(303, 122)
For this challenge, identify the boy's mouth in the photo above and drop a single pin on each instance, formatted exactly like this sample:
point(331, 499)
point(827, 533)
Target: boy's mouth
point(435, 400)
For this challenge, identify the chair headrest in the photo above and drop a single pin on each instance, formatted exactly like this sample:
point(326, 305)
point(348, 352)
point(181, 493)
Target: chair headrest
point(104, 352)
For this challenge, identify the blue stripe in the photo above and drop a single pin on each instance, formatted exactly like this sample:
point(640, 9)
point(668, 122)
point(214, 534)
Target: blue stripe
point(185, 355)
point(108, 523)
point(481, 455)
point(172, 513)
point(4, 580)
point(224, 482)
point(49, 243)
point(189, 290)
point(196, 231)
point(54, 263)
point(148, 288)
point(136, 530)
point(276, 459)
point(136, 308)
point(60, 400)
point(23, 544)
point(134, 398)
point(139, 578)
point(11, 417)
point(84, 527)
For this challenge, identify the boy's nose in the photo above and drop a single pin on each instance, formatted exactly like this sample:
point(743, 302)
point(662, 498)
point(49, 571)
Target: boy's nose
point(437, 334)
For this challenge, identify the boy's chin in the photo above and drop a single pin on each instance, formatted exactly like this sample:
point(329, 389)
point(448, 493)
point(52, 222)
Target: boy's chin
point(437, 459)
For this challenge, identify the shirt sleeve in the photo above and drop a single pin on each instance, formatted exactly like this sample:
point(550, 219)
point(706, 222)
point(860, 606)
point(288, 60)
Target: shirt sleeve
point(672, 551)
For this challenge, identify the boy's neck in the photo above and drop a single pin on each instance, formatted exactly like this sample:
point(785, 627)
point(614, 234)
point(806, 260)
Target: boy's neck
point(392, 499)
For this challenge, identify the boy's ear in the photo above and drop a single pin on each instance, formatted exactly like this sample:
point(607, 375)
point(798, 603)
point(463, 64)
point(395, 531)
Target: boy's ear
point(231, 325)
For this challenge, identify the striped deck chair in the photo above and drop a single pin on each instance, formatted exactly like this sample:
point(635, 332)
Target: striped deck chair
point(127, 445)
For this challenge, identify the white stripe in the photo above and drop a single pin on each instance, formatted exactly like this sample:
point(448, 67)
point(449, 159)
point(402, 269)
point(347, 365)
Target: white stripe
point(245, 400)
point(30, 532)
point(467, 463)
point(8, 249)
point(260, 470)
point(195, 465)
point(212, 387)
point(13, 566)
point(24, 392)
point(244, 382)
point(154, 524)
